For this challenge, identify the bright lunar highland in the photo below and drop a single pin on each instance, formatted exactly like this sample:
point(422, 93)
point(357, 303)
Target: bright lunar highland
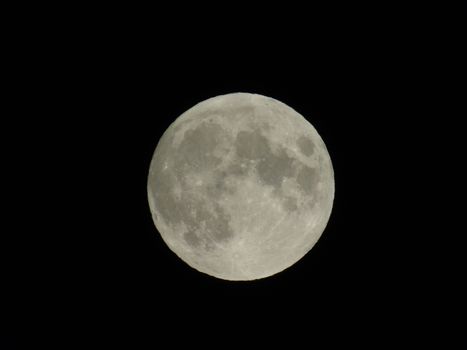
point(241, 186)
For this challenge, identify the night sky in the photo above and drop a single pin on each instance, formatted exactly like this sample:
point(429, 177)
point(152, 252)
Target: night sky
point(103, 91)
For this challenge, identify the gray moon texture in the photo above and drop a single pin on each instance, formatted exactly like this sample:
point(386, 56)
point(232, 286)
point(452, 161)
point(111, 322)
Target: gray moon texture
point(241, 186)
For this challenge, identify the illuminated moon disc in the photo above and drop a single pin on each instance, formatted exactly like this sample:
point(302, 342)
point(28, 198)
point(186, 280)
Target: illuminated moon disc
point(241, 186)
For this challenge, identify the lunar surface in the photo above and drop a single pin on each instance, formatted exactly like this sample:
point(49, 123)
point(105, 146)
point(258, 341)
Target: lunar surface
point(241, 186)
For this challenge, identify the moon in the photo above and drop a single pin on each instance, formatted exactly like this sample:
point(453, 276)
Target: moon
point(240, 186)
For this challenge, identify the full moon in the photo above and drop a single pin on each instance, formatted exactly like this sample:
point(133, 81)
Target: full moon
point(241, 186)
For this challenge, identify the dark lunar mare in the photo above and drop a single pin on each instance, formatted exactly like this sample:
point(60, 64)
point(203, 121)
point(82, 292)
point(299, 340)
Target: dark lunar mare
point(193, 156)
point(273, 167)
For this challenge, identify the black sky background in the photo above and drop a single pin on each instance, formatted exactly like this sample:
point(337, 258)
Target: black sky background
point(103, 90)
